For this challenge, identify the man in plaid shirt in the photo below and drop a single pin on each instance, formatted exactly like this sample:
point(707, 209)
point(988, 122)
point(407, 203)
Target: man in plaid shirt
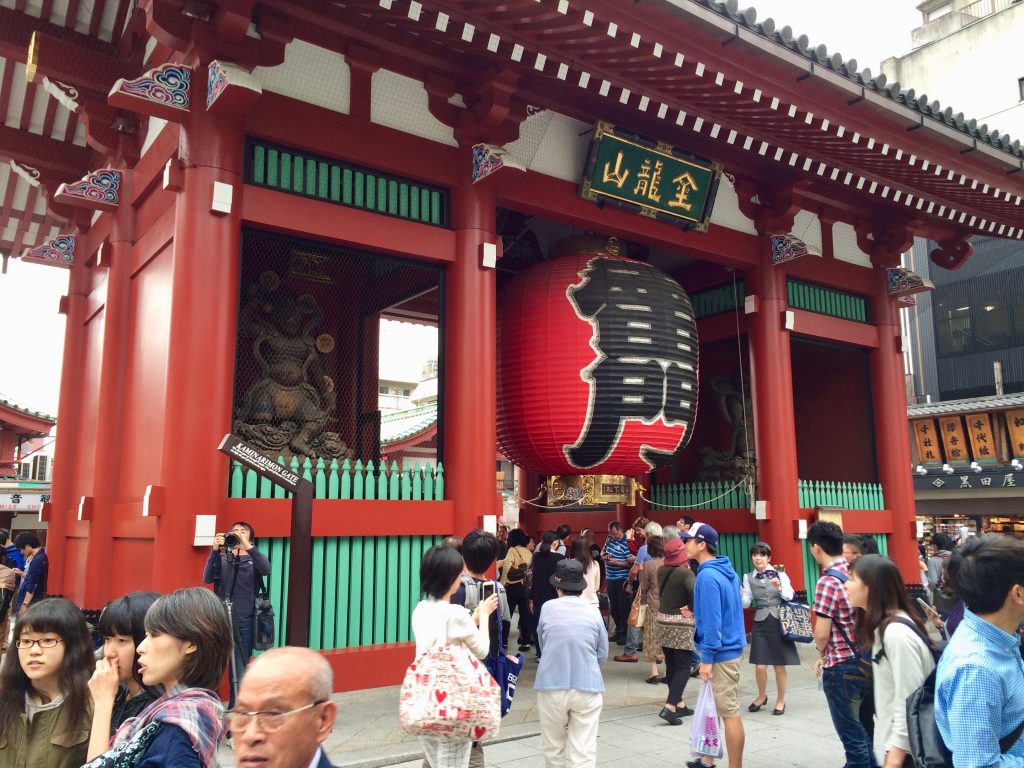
point(833, 637)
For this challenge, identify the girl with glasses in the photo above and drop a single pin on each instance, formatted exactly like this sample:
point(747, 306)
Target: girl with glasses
point(186, 650)
point(45, 711)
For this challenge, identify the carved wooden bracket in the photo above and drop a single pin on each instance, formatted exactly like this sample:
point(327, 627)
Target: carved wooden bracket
point(904, 282)
point(98, 190)
point(164, 92)
point(885, 244)
point(59, 252)
point(230, 89)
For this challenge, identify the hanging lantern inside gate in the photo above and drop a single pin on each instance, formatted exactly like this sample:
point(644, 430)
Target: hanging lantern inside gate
point(597, 363)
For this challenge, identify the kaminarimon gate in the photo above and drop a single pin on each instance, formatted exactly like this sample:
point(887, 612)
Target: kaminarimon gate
point(243, 190)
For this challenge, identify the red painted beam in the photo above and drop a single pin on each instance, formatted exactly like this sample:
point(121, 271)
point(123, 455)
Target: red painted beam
point(833, 329)
point(539, 195)
point(58, 158)
point(16, 30)
point(337, 517)
point(291, 214)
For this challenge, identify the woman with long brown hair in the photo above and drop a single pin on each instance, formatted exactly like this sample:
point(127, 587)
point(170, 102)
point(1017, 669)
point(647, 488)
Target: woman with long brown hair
point(885, 623)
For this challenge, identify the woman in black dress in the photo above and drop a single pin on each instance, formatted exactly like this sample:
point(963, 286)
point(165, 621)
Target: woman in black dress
point(543, 568)
point(766, 587)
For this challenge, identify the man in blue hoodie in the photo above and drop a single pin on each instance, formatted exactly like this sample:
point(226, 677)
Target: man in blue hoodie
point(720, 636)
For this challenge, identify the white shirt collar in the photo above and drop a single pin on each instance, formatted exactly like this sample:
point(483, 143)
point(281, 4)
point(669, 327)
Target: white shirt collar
point(316, 758)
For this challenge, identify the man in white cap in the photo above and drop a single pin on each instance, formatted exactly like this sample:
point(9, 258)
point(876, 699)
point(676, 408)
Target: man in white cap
point(720, 635)
point(569, 684)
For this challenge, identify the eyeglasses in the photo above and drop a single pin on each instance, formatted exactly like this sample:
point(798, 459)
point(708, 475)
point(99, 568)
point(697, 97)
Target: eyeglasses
point(269, 722)
point(45, 642)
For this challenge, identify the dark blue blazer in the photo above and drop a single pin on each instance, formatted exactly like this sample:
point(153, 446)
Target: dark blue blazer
point(324, 762)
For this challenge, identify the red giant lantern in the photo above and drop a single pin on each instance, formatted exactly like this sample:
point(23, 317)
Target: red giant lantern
point(597, 364)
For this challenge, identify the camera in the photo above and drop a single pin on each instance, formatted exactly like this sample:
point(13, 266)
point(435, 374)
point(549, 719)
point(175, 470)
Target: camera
point(231, 540)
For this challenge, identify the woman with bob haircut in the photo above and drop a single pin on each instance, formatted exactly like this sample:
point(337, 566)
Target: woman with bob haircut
point(186, 650)
point(117, 689)
point(45, 711)
point(901, 654)
point(766, 587)
point(438, 621)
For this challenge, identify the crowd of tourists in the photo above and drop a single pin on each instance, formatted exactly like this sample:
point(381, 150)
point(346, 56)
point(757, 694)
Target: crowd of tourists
point(142, 687)
point(147, 691)
point(667, 593)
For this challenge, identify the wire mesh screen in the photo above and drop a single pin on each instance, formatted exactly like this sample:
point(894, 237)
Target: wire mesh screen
point(307, 367)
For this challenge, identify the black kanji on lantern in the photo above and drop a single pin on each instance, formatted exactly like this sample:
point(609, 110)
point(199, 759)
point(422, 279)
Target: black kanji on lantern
point(645, 337)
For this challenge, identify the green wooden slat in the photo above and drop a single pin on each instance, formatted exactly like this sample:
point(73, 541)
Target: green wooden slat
point(259, 164)
point(358, 480)
point(382, 196)
point(407, 484)
point(417, 483)
point(425, 205)
point(359, 188)
point(332, 586)
point(406, 596)
point(370, 487)
point(369, 582)
point(393, 559)
point(335, 193)
point(346, 480)
point(286, 171)
point(316, 596)
point(811, 572)
point(394, 482)
point(355, 591)
point(323, 178)
point(341, 612)
point(370, 200)
point(347, 186)
point(273, 167)
point(439, 482)
point(414, 204)
point(320, 484)
point(332, 480)
point(403, 200)
point(428, 484)
point(380, 598)
point(382, 481)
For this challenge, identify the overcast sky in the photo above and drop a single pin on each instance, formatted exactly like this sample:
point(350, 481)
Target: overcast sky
point(869, 31)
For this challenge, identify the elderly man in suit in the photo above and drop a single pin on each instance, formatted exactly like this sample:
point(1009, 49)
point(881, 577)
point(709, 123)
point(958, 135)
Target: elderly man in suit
point(284, 711)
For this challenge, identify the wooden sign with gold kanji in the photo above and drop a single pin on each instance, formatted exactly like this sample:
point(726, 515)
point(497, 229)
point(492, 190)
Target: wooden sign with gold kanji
point(1015, 421)
point(954, 441)
point(979, 426)
point(927, 436)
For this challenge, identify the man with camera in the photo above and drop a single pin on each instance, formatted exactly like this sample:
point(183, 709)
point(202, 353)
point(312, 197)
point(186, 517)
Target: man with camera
point(233, 567)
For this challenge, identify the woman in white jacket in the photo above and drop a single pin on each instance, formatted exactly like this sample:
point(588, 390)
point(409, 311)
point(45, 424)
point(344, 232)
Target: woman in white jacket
point(436, 621)
point(900, 652)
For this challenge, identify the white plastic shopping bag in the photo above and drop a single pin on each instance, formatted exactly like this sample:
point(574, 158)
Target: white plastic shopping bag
point(706, 727)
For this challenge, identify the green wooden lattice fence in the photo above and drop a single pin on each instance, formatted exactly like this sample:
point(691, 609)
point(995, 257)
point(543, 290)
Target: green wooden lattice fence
point(364, 588)
point(822, 493)
point(346, 480)
point(333, 181)
point(700, 496)
point(827, 301)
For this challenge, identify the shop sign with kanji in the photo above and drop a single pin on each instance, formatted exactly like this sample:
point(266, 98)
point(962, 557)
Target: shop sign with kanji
point(965, 480)
point(650, 178)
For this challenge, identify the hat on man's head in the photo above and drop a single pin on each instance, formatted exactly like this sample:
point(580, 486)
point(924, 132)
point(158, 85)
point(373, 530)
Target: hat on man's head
point(568, 576)
point(702, 532)
point(675, 552)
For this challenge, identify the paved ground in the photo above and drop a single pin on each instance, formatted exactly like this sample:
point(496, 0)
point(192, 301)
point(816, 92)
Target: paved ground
point(367, 733)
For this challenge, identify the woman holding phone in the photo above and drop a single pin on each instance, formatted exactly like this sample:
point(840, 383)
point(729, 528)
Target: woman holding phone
point(766, 587)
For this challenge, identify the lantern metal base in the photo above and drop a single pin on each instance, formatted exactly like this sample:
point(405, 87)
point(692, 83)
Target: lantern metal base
point(590, 490)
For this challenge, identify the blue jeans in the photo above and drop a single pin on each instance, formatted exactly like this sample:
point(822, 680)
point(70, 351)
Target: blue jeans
point(634, 639)
point(843, 690)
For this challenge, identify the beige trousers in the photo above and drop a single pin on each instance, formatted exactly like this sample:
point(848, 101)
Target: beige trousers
point(568, 727)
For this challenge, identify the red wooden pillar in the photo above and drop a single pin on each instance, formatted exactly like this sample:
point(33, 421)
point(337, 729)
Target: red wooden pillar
point(470, 430)
point(774, 424)
point(892, 441)
point(69, 408)
point(201, 343)
point(117, 255)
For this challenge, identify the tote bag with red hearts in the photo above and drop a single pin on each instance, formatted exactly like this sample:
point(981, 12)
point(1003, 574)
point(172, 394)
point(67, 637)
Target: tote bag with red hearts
point(449, 694)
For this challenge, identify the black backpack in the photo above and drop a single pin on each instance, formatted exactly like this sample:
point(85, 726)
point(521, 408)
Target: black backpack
point(927, 748)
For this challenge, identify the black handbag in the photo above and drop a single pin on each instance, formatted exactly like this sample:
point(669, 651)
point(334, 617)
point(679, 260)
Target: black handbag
point(263, 619)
